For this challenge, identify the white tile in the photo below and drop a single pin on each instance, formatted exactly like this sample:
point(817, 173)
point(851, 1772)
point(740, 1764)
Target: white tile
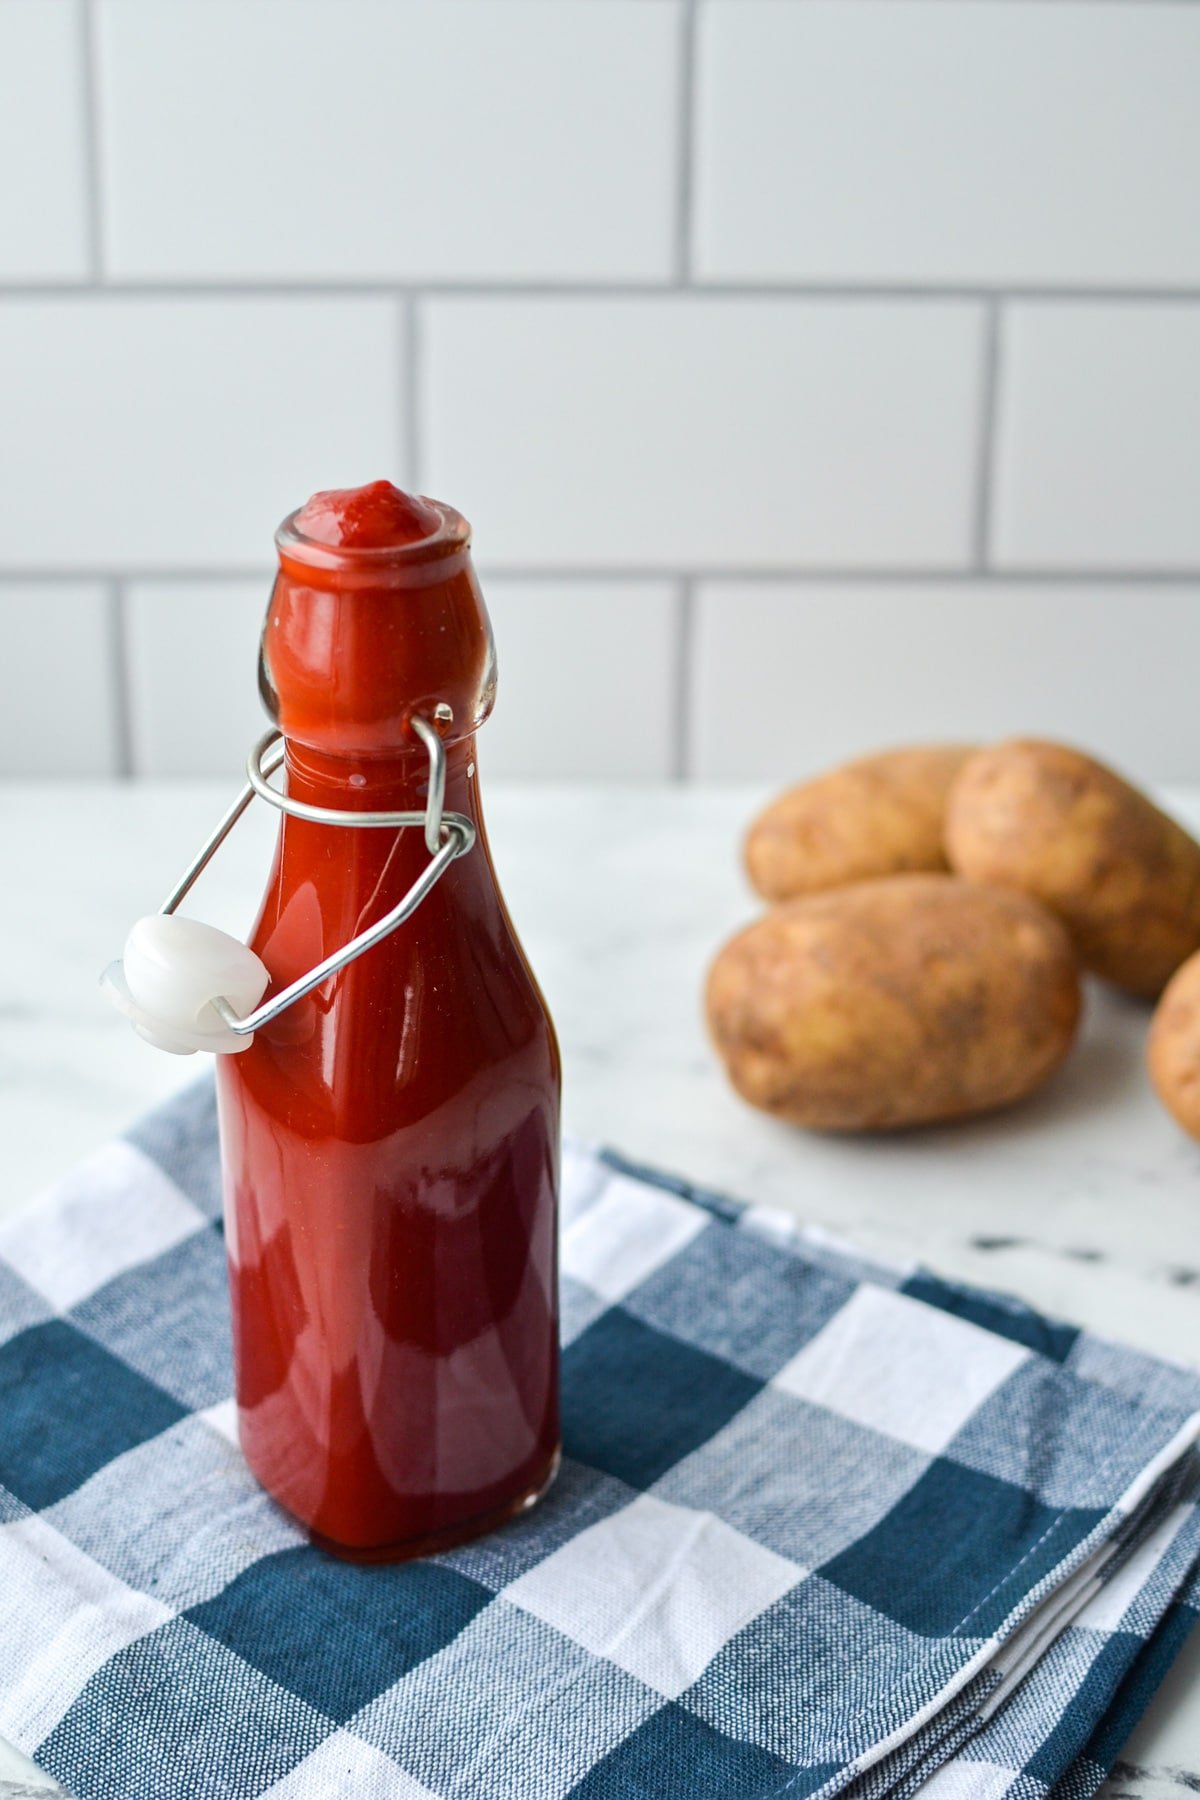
point(815, 672)
point(704, 432)
point(347, 138)
point(43, 210)
point(192, 655)
point(570, 656)
point(59, 711)
point(1098, 440)
point(588, 681)
point(925, 143)
point(631, 1231)
point(175, 433)
point(655, 1588)
point(900, 1367)
point(63, 1245)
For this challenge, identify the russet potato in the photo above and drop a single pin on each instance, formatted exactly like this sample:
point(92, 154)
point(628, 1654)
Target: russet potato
point(880, 815)
point(1058, 825)
point(896, 1002)
point(1173, 1047)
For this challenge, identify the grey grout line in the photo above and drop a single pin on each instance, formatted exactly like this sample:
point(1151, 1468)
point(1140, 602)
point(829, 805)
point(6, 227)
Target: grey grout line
point(685, 149)
point(985, 455)
point(230, 288)
point(848, 577)
point(410, 435)
point(685, 659)
point(89, 112)
point(119, 678)
point(642, 572)
point(198, 572)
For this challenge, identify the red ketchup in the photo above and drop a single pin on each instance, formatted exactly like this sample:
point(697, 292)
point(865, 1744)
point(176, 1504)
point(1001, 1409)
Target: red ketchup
point(390, 1143)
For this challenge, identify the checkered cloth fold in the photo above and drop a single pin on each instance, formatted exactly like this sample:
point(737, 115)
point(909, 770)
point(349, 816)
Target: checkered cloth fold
point(823, 1527)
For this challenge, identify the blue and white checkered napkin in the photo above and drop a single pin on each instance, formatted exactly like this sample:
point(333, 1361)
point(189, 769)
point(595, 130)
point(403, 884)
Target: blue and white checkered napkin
point(821, 1526)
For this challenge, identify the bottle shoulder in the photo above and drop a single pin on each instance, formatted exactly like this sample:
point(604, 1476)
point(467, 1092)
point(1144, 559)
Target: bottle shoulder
point(444, 1013)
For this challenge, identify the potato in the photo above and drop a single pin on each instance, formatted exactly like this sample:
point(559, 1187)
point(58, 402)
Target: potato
point(878, 816)
point(1052, 822)
point(894, 1002)
point(1173, 1047)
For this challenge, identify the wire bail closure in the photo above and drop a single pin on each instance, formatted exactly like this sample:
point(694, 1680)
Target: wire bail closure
point(448, 835)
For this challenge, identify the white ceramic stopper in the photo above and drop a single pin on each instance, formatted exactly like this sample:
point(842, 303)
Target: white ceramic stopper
point(172, 970)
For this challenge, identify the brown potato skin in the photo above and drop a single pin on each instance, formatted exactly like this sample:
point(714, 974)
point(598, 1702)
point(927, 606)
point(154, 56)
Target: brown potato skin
point(1056, 824)
point(880, 815)
point(1173, 1046)
point(903, 1001)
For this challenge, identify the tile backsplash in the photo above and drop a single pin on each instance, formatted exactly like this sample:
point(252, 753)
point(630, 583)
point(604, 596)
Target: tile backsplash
point(816, 373)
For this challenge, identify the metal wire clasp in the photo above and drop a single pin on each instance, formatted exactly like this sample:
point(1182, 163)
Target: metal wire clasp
point(447, 836)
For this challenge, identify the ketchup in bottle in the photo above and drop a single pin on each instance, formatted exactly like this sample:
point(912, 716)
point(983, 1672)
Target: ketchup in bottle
point(390, 1142)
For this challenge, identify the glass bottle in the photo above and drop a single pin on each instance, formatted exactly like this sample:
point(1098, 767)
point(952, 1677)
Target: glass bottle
point(390, 1142)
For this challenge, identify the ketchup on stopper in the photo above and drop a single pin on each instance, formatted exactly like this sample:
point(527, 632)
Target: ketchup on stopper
point(390, 1143)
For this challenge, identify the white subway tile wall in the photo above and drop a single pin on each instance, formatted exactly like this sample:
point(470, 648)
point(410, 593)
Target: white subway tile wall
point(688, 431)
point(191, 668)
point(164, 433)
point(586, 676)
point(1098, 435)
point(931, 142)
point(44, 226)
point(863, 665)
point(59, 715)
point(815, 375)
point(509, 141)
point(586, 679)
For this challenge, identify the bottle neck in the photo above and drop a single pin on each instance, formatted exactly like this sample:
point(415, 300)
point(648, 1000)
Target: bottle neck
point(397, 783)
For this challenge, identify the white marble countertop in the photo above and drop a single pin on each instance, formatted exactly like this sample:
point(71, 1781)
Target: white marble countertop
point(1085, 1201)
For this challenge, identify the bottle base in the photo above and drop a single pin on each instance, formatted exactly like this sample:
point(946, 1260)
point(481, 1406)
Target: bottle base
point(434, 1541)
